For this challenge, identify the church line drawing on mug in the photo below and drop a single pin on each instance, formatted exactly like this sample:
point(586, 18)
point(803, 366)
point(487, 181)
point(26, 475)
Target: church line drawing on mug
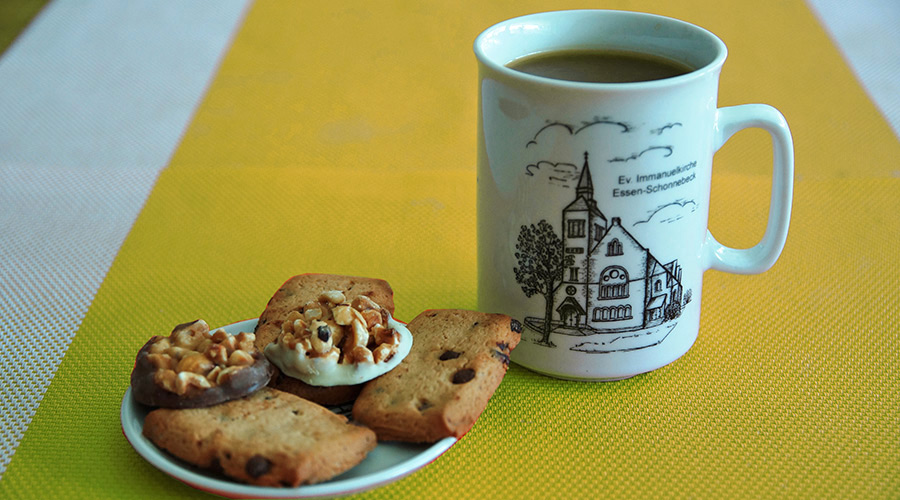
point(599, 283)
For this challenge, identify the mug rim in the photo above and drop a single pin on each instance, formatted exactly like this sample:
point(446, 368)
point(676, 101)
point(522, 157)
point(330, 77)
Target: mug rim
point(486, 37)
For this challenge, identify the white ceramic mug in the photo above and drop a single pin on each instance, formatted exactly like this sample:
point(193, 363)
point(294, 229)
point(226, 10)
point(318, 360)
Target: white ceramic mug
point(593, 198)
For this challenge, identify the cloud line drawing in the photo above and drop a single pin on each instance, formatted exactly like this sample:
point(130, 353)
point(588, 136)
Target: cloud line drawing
point(556, 173)
point(660, 130)
point(549, 125)
point(604, 120)
point(634, 156)
point(670, 212)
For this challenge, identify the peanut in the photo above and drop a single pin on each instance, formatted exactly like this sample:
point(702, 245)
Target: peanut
point(363, 303)
point(359, 335)
point(359, 354)
point(312, 313)
point(165, 379)
point(384, 352)
point(219, 335)
point(178, 352)
point(240, 358)
point(185, 380)
point(226, 374)
point(387, 336)
point(161, 361)
point(245, 341)
point(343, 315)
point(333, 296)
point(159, 345)
point(195, 363)
point(371, 317)
point(218, 354)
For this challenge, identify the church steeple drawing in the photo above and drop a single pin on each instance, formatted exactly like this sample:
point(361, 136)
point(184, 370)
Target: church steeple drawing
point(585, 186)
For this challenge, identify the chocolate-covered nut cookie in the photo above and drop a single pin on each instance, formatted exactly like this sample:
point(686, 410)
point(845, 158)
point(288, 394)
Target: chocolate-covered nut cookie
point(193, 368)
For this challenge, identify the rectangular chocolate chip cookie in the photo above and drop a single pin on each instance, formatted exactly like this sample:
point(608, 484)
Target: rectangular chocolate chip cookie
point(269, 438)
point(457, 361)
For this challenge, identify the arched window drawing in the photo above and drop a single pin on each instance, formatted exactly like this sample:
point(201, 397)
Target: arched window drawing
point(614, 247)
point(613, 283)
point(613, 313)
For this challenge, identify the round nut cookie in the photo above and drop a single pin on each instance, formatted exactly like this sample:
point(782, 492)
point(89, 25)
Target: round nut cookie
point(193, 367)
point(333, 342)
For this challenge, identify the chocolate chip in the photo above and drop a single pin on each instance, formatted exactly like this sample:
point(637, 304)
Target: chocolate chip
point(216, 466)
point(324, 333)
point(449, 355)
point(503, 346)
point(257, 466)
point(463, 376)
point(515, 326)
point(503, 357)
point(424, 405)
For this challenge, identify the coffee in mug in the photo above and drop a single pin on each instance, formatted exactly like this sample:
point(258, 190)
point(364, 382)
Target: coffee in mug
point(599, 66)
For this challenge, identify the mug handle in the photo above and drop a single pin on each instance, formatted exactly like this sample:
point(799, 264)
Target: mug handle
point(763, 255)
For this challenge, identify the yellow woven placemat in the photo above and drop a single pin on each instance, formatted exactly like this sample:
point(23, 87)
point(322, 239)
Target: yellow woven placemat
point(339, 137)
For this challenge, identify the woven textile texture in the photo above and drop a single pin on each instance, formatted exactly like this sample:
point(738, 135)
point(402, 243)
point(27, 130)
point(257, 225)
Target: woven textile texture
point(76, 172)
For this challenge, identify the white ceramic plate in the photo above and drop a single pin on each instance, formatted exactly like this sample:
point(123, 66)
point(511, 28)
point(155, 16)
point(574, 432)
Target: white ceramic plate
point(388, 462)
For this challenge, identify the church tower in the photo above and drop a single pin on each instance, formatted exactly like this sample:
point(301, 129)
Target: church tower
point(583, 225)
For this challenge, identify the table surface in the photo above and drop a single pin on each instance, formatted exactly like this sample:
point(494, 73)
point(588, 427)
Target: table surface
point(163, 161)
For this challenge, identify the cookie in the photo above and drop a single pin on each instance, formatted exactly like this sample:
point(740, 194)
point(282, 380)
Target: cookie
point(269, 438)
point(337, 342)
point(193, 368)
point(328, 396)
point(293, 296)
point(457, 361)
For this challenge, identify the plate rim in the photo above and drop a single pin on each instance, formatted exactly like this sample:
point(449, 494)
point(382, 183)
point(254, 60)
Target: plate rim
point(232, 489)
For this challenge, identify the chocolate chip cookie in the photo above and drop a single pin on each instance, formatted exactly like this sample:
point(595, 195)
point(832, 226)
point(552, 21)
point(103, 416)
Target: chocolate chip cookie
point(269, 438)
point(457, 361)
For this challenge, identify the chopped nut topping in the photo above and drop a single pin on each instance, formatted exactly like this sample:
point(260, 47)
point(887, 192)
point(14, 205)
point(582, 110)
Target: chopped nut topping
point(193, 357)
point(356, 331)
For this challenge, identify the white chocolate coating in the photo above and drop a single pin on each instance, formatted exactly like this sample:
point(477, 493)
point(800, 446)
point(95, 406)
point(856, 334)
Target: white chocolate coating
point(325, 371)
